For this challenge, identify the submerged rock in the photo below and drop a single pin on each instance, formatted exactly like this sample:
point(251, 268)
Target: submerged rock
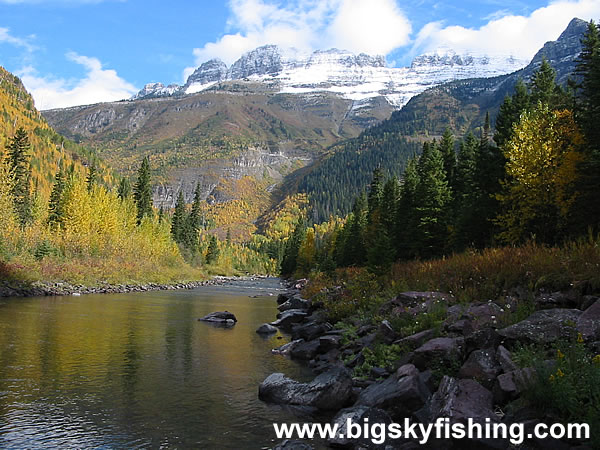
point(266, 328)
point(221, 317)
point(331, 390)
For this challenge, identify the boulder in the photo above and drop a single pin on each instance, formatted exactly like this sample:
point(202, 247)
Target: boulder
point(266, 328)
point(460, 400)
point(305, 350)
point(329, 342)
point(486, 337)
point(504, 358)
point(329, 391)
point(401, 394)
point(416, 340)
point(221, 317)
point(387, 332)
point(481, 365)
point(295, 302)
point(308, 331)
point(510, 385)
point(284, 297)
point(443, 348)
point(544, 326)
point(358, 415)
point(588, 323)
point(287, 318)
point(569, 299)
point(285, 349)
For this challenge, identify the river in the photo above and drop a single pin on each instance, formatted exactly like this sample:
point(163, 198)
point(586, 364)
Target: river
point(139, 370)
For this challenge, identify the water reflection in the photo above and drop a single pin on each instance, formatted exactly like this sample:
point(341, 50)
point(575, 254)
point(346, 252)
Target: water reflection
point(137, 370)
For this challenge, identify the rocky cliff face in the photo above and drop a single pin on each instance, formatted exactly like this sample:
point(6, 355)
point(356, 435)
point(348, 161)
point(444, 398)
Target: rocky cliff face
point(355, 77)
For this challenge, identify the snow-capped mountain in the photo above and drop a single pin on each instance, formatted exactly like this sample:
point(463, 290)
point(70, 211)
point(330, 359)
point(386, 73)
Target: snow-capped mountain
point(356, 77)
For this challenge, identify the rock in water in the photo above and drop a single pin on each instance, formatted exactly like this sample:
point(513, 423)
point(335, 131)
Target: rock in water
point(331, 390)
point(265, 328)
point(221, 317)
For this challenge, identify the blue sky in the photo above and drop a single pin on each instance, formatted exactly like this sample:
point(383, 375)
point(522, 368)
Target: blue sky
point(71, 52)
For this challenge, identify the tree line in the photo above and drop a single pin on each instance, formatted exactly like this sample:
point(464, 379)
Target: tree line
point(537, 178)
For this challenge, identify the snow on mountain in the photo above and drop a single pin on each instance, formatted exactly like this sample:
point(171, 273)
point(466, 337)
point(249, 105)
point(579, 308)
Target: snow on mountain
point(355, 77)
point(156, 90)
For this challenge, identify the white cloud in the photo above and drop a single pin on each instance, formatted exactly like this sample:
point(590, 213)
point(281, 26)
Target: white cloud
point(98, 85)
point(520, 36)
point(7, 38)
point(370, 26)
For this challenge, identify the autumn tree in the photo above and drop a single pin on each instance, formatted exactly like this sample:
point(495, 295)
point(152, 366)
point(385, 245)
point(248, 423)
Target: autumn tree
point(542, 157)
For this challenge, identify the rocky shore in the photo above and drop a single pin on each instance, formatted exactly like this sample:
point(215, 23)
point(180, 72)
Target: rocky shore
point(477, 361)
point(40, 288)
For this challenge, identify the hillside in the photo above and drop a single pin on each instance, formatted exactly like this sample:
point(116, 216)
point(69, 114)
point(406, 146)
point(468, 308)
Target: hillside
point(48, 148)
point(460, 106)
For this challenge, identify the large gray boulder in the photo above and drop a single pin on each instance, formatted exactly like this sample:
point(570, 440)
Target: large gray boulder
point(358, 415)
point(481, 365)
point(265, 329)
point(446, 349)
point(460, 400)
point(401, 394)
point(220, 317)
point(331, 390)
point(588, 323)
point(295, 302)
point(544, 326)
point(291, 444)
point(287, 318)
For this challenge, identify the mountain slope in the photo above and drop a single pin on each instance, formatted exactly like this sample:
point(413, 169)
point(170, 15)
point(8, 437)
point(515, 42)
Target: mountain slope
point(48, 148)
point(337, 178)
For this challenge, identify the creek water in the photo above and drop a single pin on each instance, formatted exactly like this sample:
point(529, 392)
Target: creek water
point(139, 370)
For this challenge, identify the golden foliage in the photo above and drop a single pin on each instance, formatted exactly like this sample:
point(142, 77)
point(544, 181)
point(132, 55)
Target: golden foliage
point(541, 167)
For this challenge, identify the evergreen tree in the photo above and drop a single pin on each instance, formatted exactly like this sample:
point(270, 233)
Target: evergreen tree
point(124, 190)
point(161, 214)
point(587, 210)
point(433, 198)
point(449, 155)
point(389, 206)
point(405, 212)
point(196, 212)
point(542, 84)
point(375, 192)
point(510, 112)
point(142, 191)
point(18, 158)
point(354, 245)
point(289, 261)
point(91, 177)
point(55, 206)
point(212, 254)
point(465, 195)
point(178, 220)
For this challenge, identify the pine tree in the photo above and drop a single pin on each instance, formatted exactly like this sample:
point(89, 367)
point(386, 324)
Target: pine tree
point(405, 212)
point(449, 155)
point(212, 254)
point(587, 209)
point(354, 249)
point(124, 190)
point(433, 198)
point(465, 195)
point(178, 220)
point(142, 191)
point(510, 112)
point(389, 206)
point(161, 214)
point(55, 205)
point(289, 261)
point(18, 158)
point(195, 221)
point(375, 193)
point(91, 178)
point(542, 84)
